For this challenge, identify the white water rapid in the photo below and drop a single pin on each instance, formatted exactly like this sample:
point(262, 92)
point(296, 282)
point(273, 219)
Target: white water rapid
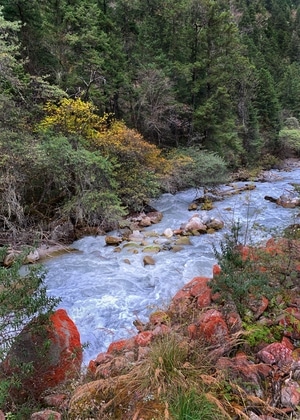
point(104, 294)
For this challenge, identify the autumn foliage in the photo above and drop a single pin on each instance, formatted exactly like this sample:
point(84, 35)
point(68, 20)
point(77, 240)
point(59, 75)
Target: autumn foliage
point(137, 164)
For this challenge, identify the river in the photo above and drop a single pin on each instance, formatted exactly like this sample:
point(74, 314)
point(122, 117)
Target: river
point(104, 291)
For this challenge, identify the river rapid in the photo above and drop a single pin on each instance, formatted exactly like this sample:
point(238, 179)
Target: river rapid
point(104, 291)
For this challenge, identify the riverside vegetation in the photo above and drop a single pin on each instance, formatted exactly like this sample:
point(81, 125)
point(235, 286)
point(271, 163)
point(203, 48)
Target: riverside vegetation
point(107, 104)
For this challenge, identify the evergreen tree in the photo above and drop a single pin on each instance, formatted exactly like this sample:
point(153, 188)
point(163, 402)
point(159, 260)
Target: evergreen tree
point(290, 91)
point(268, 109)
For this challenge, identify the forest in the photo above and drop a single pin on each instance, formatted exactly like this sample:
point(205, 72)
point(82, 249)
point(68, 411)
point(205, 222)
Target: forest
point(107, 103)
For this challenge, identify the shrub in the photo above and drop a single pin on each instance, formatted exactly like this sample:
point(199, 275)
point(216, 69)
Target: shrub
point(240, 277)
point(289, 136)
point(46, 178)
point(194, 167)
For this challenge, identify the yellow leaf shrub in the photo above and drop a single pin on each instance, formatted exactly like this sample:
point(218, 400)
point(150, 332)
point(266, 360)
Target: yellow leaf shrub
point(112, 137)
point(126, 143)
point(73, 116)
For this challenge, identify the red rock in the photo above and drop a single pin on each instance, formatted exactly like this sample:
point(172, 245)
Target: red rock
point(193, 331)
point(181, 295)
point(258, 305)
point(290, 394)
point(234, 322)
point(54, 351)
point(204, 299)
point(46, 415)
point(245, 252)
point(199, 288)
point(275, 247)
point(216, 297)
point(263, 370)
point(66, 336)
point(212, 327)
point(105, 357)
point(144, 338)
point(216, 270)
point(197, 285)
point(161, 330)
point(241, 367)
point(120, 345)
point(2, 416)
point(276, 353)
point(91, 369)
point(287, 343)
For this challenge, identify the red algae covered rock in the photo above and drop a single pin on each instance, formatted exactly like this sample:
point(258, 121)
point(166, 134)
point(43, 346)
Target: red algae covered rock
point(198, 289)
point(276, 354)
point(120, 345)
point(46, 415)
point(211, 327)
point(144, 338)
point(54, 351)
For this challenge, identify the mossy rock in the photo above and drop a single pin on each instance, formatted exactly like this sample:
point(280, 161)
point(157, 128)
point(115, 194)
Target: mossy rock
point(152, 248)
point(207, 205)
point(210, 231)
point(183, 240)
point(131, 245)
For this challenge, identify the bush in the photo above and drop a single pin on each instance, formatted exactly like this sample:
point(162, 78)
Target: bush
point(289, 136)
point(194, 167)
point(42, 179)
point(240, 277)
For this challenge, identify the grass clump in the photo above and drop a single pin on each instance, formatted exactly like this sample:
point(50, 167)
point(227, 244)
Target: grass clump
point(190, 405)
point(169, 383)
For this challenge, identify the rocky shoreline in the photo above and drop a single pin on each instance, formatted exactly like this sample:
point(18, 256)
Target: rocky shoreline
point(254, 358)
point(248, 362)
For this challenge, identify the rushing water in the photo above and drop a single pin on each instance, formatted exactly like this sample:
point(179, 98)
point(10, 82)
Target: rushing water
point(104, 291)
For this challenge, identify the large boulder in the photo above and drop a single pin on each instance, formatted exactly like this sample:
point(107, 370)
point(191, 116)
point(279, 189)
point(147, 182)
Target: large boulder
point(50, 348)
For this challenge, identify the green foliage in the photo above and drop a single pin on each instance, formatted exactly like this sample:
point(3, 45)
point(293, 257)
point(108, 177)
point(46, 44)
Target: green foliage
point(240, 279)
point(164, 69)
point(257, 334)
point(289, 136)
point(134, 163)
point(11, 66)
point(194, 167)
point(22, 297)
point(68, 182)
